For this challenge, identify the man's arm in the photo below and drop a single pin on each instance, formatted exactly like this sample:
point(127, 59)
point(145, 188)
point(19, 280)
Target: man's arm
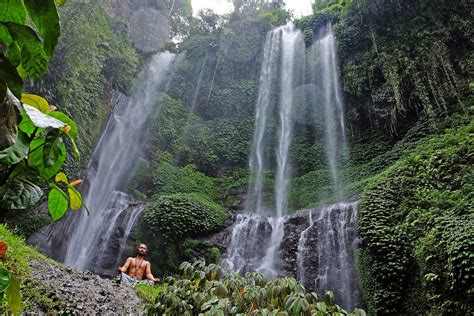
point(150, 276)
point(126, 265)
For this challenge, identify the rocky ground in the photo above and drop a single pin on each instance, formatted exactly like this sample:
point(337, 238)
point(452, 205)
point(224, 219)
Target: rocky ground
point(82, 293)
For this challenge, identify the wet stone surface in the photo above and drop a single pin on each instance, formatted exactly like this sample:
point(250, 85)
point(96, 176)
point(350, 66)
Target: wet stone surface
point(84, 292)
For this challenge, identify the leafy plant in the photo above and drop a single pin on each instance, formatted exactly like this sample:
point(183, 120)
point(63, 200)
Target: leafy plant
point(201, 289)
point(37, 156)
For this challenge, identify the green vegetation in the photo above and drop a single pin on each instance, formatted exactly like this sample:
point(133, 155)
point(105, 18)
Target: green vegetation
point(415, 220)
point(32, 143)
point(16, 261)
point(212, 290)
point(93, 57)
point(169, 224)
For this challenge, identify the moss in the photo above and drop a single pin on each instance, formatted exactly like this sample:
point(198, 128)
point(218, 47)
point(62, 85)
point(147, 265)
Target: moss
point(17, 261)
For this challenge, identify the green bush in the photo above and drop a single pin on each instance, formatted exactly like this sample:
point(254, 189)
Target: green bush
point(416, 225)
point(212, 290)
point(170, 222)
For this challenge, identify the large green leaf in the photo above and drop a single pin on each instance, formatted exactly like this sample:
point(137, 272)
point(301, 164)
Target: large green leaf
point(12, 11)
point(17, 152)
point(14, 296)
point(40, 119)
point(67, 120)
point(5, 279)
point(5, 36)
point(35, 157)
point(10, 76)
point(33, 55)
point(45, 17)
point(20, 194)
point(57, 202)
point(52, 148)
point(50, 171)
point(14, 55)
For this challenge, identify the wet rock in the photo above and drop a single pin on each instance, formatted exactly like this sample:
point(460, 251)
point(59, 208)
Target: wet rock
point(83, 292)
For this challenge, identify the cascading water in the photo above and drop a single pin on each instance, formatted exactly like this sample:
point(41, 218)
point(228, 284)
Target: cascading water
point(330, 102)
point(327, 241)
point(83, 239)
point(282, 44)
point(115, 156)
point(327, 245)
point(324, 257)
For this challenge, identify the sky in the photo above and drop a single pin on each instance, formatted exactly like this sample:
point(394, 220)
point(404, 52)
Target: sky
point(300, 7)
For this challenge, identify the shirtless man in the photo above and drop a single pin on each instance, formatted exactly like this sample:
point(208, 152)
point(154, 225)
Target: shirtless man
point(138, 267)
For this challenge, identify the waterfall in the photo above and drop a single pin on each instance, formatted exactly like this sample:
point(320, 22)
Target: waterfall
point(257, 161)
point(95, 241)
point(114, 157)
point(281, 44)
point(328, 246)
point(326, 77)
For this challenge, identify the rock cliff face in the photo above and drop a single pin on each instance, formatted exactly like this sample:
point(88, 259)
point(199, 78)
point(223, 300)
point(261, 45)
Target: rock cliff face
point(82, 293)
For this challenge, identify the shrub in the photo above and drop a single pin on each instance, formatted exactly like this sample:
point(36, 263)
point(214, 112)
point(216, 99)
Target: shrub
point(170, 222)
point(212, 290)
point(415, 220)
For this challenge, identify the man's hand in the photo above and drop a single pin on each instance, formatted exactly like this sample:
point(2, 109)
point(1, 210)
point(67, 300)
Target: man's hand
point(157, 280)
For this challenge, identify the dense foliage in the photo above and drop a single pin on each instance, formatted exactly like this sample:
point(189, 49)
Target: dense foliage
point(212, 290)
point(169, 224)
point(93, 57)
point(416, 225)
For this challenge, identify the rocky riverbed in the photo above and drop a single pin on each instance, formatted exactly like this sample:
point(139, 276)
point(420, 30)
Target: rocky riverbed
point(82, 292)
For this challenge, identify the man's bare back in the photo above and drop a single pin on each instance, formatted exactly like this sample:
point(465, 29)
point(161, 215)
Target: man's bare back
point(138, 267)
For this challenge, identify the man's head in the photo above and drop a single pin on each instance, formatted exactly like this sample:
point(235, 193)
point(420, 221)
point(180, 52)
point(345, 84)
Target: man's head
point(142, 249)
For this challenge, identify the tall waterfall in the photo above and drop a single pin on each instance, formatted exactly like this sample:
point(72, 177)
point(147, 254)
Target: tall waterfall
point(115, 155)
point(94, 241)
point(323, 258)
point(256, 238)
point(330, 101)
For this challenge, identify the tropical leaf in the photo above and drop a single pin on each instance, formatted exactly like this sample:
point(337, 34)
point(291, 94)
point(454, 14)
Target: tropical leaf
point(9, 75)
point(12, 11)
point(40, 119)
point(20, 194)
point(45, 16)
point(75, 198)
point(14, 55)
point(52, 148)
point(17, 152)
point(35, 157)
point(57, 202)
point(14, 296)
point(36, 101)
point(5, 36)
point(33, 56)
point(5, 279)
